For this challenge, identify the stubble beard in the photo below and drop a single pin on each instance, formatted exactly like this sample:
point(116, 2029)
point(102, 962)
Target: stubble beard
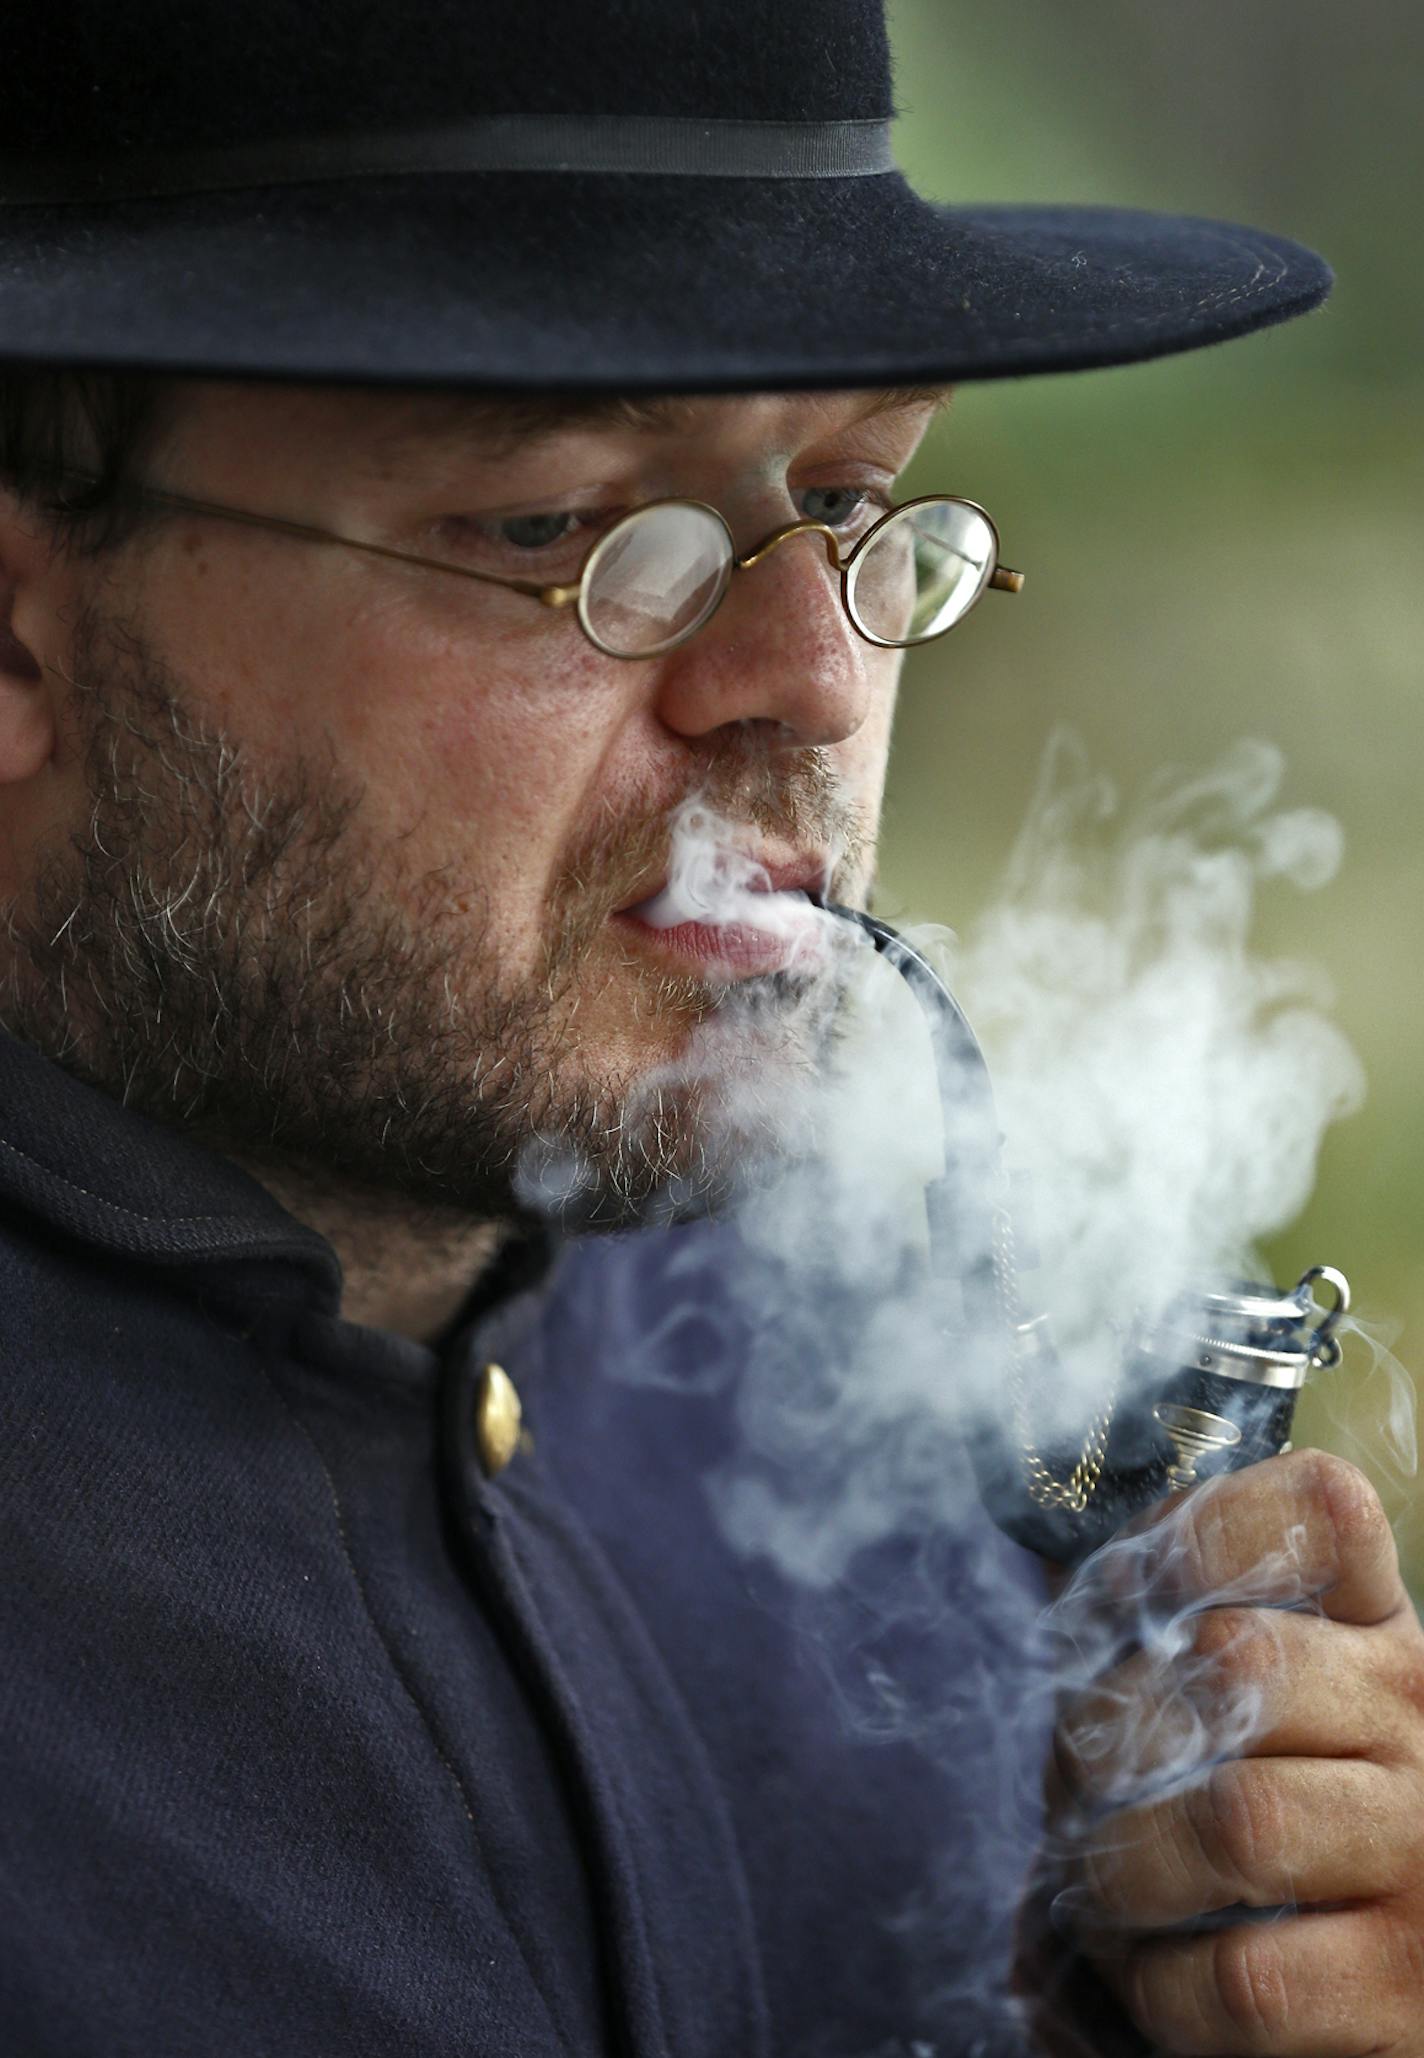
point(219, 947)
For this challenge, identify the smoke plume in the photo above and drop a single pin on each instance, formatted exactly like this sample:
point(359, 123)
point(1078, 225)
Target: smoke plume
point(1163, 1091)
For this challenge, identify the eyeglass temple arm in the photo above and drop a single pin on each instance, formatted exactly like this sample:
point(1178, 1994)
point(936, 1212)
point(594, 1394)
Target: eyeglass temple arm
point(552, 596)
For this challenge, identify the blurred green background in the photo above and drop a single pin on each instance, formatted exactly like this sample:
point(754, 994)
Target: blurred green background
point(1221, 545)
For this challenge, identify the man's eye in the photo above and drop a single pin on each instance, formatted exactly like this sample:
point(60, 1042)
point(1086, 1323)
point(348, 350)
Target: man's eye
point(532, 531)
point(841, 507)
point(508, 542)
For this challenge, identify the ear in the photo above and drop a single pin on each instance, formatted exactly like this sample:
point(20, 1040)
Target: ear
point(27, 713)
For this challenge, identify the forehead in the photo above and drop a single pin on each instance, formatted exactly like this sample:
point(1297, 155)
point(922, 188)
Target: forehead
point(392, 431)
point(503, 424)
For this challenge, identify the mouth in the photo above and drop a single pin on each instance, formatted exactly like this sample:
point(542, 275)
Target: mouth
point(752, 914)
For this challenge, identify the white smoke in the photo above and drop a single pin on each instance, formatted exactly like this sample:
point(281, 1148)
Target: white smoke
point(1164, 1090)
point(715, 877)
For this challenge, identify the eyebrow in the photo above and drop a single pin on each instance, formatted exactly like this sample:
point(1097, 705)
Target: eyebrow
point(502, 424)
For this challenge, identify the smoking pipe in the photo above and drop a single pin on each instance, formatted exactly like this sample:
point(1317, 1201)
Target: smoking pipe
point(1207, 1387)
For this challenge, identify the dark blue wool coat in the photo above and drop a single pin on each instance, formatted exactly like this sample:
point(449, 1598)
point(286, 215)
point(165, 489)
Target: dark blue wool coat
point(318, 1741)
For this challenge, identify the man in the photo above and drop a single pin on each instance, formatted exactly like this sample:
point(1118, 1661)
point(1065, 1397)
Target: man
point(344, 757)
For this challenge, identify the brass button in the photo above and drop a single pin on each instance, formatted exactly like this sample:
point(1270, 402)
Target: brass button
point(498, 1418)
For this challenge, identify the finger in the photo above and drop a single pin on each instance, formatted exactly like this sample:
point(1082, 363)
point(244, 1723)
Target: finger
point(1250, 1681)
point(1168, 1713)
point(1256, 1833)
point(1336, 1985)
point(1307, 1526)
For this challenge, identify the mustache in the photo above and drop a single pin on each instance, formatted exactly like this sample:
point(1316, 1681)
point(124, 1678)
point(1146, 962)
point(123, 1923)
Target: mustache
point(793, 799)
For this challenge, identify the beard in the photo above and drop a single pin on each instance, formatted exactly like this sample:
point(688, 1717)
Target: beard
point(230, 948)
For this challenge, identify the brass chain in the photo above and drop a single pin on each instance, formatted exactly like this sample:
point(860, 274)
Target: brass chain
point(1044, 1488)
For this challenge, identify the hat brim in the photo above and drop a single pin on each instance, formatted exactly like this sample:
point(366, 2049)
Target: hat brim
point(540, 281)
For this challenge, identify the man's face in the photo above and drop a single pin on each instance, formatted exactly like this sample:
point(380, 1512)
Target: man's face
point(344, 854)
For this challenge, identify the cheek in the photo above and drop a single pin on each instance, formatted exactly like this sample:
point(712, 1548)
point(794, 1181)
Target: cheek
point(475, 753)
point(863, 759)
point(498, 757)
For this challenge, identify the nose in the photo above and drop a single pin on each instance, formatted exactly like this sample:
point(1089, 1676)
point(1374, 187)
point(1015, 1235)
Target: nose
point(779, 650)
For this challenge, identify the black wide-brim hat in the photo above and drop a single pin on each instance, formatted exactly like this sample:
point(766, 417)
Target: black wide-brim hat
point(631, 194)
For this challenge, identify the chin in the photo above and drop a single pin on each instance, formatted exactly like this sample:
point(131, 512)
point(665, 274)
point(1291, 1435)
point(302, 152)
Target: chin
point(690, 1114)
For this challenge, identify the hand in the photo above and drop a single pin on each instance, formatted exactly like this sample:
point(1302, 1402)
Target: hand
point(1261, 1748)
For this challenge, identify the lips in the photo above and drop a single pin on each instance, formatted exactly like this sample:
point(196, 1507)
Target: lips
point(737, 910)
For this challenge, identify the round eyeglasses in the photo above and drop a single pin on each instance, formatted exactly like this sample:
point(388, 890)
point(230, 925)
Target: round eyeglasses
point(660, 573)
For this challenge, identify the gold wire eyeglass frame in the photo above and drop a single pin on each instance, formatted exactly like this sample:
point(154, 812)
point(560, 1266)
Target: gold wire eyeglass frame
point(999, 577)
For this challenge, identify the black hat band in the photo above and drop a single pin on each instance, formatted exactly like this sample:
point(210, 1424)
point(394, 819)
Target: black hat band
point(658, 145)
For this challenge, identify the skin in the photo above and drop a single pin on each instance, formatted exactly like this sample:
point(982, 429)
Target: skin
point(471, 791)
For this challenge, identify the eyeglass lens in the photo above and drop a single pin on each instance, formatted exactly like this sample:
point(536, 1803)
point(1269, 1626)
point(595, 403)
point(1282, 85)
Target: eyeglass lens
point(924, 569)
point(655, 578)
point(659, 574)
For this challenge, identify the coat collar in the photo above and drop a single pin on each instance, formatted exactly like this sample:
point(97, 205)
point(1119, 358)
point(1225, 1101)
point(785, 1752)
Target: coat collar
point(95, 1170)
